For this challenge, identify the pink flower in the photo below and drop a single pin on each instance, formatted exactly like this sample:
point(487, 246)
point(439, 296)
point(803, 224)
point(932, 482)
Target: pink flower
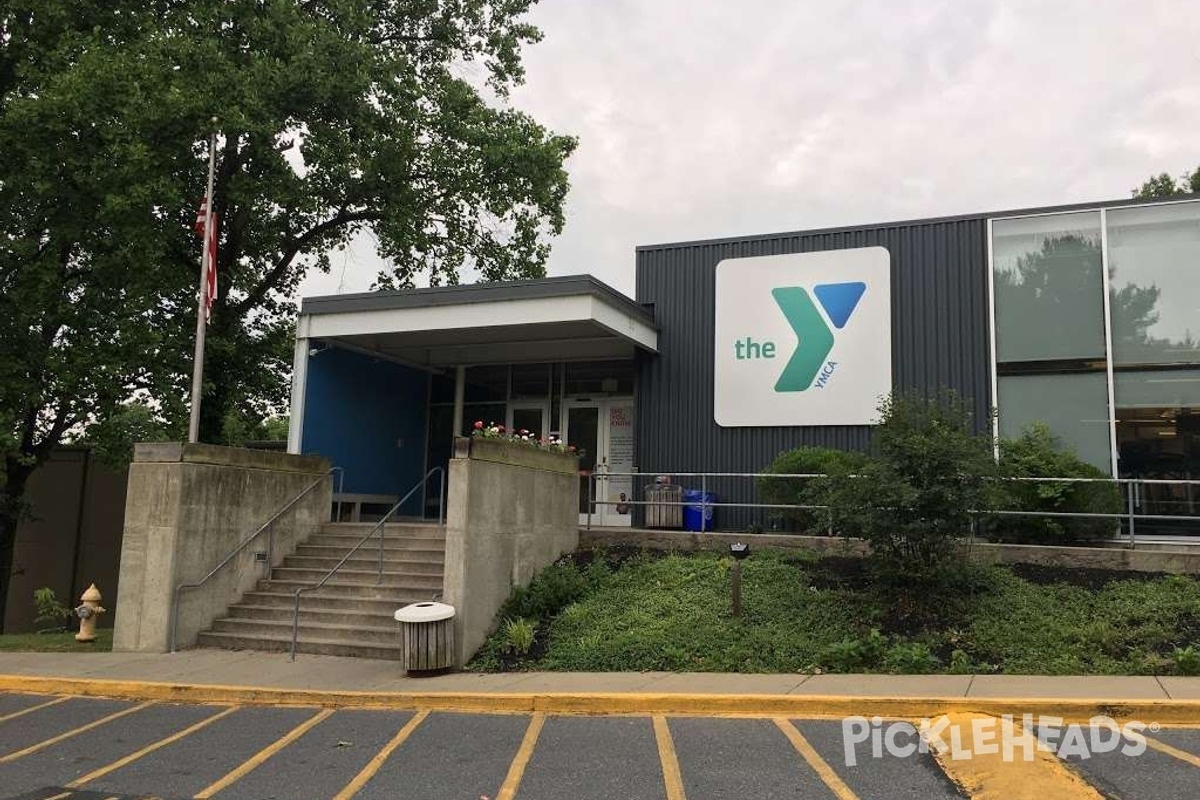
point(478, 425)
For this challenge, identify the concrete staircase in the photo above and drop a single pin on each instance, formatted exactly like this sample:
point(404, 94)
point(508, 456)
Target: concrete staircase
point(351, 615)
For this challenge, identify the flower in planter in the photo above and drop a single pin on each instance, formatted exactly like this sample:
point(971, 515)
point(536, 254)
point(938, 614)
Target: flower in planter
point(478, 425)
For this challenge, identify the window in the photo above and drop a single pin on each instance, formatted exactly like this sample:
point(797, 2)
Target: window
point(1154, 269)
point(1049, 288)
point(1050, 315)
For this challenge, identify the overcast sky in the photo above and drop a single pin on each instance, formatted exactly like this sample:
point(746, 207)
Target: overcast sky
point(708, 118)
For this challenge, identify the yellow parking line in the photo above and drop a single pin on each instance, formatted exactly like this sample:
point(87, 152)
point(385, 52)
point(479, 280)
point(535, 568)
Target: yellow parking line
point(368, 772)
point(819, 765)
point(262, 755)
point(1163, 747)
point(672, 778)
point(150, 748)
point(516, 770)
point(13, 756)
point(62, 796)
point(31, 709)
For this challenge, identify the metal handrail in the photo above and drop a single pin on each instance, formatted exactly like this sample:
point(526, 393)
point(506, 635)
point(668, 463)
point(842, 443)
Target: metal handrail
point(269, 525)
point(1130, 515)
point(380, 527)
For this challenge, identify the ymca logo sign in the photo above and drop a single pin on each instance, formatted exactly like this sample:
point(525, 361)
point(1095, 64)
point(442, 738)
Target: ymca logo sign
point(816, 340)
point(803, 339)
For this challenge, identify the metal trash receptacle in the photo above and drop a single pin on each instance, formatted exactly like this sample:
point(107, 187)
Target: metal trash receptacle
point(426, 636)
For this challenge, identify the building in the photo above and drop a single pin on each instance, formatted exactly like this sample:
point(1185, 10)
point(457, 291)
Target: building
point(1086, 317)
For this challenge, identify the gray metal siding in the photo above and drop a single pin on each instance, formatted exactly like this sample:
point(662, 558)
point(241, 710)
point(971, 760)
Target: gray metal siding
point(939, 338)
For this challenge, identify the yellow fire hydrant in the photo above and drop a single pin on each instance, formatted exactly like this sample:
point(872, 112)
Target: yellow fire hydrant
point(87, 612)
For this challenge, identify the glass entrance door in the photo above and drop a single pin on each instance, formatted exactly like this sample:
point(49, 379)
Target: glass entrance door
point(603, 430)
point(531, 417)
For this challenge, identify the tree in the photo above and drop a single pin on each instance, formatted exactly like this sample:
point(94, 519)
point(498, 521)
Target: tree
point(334, 116)
point(912, 500)
point(1163, 185)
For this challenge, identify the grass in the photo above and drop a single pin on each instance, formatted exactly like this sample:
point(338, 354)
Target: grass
point(54, 642)
point(804, 614)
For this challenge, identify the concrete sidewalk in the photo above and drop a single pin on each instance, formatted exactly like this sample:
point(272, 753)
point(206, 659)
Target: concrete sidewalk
point(229, 668)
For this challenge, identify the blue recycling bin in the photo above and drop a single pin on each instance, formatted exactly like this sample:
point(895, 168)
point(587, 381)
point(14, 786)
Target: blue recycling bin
point(692, 513)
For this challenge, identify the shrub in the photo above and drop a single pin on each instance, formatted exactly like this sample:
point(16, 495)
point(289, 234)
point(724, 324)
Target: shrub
point(910, 658)
point(51, 614)
point(554, 588)
point(912, 500)
point(1186, 660)
point(855, 655)
point(804, 491)
point(1038, 453)
point(518, 636)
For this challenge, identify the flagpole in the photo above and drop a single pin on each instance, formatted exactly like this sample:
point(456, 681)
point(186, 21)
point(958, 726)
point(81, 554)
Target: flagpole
point(202, 302)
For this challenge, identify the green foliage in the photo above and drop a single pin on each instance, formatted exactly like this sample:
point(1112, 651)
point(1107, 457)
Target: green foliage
point(911, 500)
point(910, 658)
point(1122, 627)
point(238, 428)
point(805, 491)
point(112, 436)
point(855, 654)
point(518, 635)
point(1163, 185)
point(337, 120)
point(1039, 454)
point(960, 663)
point(51, 613)
point(54, 642)
point(1186, 660)
point(555, 588)
point(673, 613)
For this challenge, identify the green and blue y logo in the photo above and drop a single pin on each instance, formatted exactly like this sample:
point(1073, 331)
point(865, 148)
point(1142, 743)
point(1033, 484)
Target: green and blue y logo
point(814, 338)
point(833, 307)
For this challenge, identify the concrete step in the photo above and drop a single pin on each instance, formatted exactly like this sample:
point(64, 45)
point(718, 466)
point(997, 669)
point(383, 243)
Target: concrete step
point(348, 619)
point(320, 600)
point(403, 529)
point(391, 563)
point(273, 644)
point(357, 635)
point(346, 543)
point(364, 577)
point(434, 554)
point(369, 591)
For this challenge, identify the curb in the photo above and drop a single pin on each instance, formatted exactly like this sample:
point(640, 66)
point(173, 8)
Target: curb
point(1171, 712)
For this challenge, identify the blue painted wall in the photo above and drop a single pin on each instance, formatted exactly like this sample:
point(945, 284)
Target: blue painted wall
point(357, 411)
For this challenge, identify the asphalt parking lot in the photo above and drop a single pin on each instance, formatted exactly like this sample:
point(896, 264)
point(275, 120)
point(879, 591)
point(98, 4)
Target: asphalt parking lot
point(85, 748)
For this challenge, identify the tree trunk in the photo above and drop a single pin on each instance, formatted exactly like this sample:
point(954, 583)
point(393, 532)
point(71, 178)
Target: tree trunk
point(11, 512)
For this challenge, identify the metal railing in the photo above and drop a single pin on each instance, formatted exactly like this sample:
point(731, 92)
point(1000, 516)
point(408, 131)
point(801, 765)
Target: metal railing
point(380, 528)
point(268, 526)
point(1134, 495)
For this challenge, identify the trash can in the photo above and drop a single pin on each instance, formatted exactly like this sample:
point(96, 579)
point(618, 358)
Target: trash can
point(663, 509)
point(693, 515)
point(426, 636)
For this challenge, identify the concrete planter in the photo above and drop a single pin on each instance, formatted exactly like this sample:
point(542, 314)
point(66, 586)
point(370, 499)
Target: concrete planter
point(500, 451)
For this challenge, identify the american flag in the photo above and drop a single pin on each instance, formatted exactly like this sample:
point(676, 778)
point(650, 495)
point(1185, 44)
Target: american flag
point(210, 278)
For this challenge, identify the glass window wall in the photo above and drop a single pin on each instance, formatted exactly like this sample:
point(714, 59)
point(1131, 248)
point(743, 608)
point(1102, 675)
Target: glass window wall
point(1046, 271)
point(1154, 273)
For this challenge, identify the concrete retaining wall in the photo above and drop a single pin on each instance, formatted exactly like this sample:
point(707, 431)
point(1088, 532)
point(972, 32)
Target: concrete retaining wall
point(1149, 560)
point(187, 507)
point(512, 510)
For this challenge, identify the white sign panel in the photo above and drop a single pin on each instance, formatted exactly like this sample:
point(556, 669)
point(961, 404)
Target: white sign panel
point(803, 339)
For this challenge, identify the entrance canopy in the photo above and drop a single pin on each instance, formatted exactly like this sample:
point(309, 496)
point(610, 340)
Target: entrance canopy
point(548, 319)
